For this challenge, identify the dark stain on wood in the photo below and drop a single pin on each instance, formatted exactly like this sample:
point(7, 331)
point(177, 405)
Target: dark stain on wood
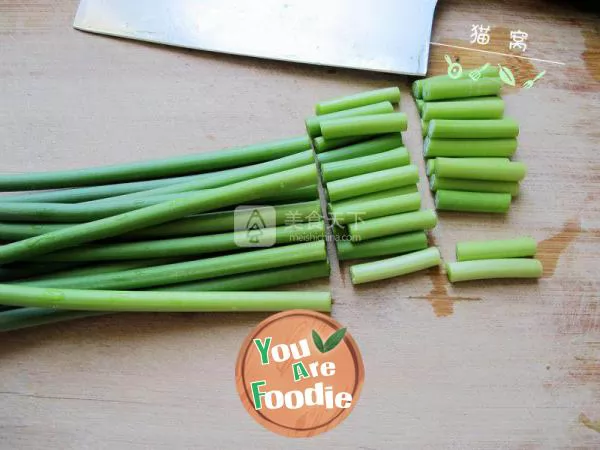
point(441, 302)
point(439, 296)
point(551, 249)
point(589, 423)
point(591, 54)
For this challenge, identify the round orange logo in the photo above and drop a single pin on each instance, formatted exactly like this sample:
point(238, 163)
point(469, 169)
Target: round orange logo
point(299, 373)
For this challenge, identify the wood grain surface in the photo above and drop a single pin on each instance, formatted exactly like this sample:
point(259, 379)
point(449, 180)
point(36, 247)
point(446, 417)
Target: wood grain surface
point(513, 364)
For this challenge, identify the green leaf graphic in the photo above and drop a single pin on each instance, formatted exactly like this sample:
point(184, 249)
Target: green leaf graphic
point(506, 75)
point(318, 341)
point(334, 340)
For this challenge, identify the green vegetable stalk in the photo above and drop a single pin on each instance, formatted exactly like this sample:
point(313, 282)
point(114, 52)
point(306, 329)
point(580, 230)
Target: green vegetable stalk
point(391, 94)
point(393, 267)
point(19, 318)
point(222, 178)
point(417, 90)
point(313, 124)
point(303, 194)
point(155, 215)
point(485, 71)
point(375, 208)
point(78, 270)
point(357, 202)
point(366, 164)
point(28, 270)
point(456, 184)
point(321, 144)
point(222, 221)
point(189, 226)
point(506, 128)
point(370, 147)
point(140, 301)
point(180, 165)
point(364, 125)
point(202, 269)
point(385, 246)
point(430, 167)
point(30, 317)
point(472, 169)
point(390, 225)
point(86, 194)
point(464, 88)
point(472, 201)
point(484, 269)
point(190, 246)
point(496, 249)
point(372, 182)
point(256, 280)
point(461, 148)
point(424, 127)
point(476, 108)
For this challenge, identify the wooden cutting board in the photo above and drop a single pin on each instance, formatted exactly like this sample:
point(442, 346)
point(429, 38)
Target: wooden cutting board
point(513, 364)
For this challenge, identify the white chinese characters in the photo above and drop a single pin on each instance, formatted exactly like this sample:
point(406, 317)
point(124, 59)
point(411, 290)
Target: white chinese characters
point(518, 39)
point(480, 34)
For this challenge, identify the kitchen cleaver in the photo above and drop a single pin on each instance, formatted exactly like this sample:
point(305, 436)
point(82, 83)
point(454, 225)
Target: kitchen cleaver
point(380, 35)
